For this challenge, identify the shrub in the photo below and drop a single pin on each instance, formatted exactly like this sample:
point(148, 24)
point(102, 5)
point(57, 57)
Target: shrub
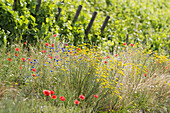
point(144, 22)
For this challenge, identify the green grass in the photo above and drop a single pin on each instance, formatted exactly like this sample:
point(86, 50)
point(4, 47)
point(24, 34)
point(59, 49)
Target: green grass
point(70, 71)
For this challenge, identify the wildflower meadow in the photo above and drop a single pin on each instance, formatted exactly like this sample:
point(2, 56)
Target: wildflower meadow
point(61, 77)
point(53, 67)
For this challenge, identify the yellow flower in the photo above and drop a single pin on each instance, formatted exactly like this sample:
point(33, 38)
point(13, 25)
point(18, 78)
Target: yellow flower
point(120, 97)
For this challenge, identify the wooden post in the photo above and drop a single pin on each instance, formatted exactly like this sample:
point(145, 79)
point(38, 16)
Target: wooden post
point(77, 13)
point(38, 5)
point(104, 24)
point(59, 12)
point(15, 5)
point(166, 51)
point(127, 39)
point(91, 23)
point(144, 41)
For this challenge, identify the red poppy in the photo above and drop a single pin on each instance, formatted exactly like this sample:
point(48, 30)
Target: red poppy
point(52, 45)
point(47, 44)
point(16, 55)
point(23, 59)
point(52, 92)
point(33, 69)
point(78, 49)
point(96, 96)
point(46, 92)
point(62, 98)
point(16, 49)
point(33, 75)
point(82, 97)
point(116, 55)
point(105, 62)
point(131, 45)
point(51, 57)
point(145, 75)
point(54, 35)
point(166, 67)
point(77, 102)
point(54, 97)
point(9, 59)
point(124, 44)
point(108, 57)
point(20, 67)
point(43, 51)
point(25, 43)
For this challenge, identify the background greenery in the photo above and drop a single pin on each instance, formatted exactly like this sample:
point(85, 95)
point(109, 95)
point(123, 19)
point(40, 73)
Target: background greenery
point(143, 20)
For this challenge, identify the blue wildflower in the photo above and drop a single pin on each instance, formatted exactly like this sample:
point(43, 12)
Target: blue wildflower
point(63, 49)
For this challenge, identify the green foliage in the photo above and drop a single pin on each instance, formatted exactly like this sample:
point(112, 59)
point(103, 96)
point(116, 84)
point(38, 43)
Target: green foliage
point(23, 23)
point(140, 19)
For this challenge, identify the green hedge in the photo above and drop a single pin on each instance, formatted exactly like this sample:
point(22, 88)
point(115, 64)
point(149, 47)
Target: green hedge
point(141, 20)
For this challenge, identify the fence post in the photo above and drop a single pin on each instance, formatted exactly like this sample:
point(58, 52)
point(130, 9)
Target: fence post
point(144, 41)
point(104, 24)
point(127, 39)
point(166, 51)
point(77, 13)
point(59, 12)
point(91, 23)
point(38, 5)
point(15, 5)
